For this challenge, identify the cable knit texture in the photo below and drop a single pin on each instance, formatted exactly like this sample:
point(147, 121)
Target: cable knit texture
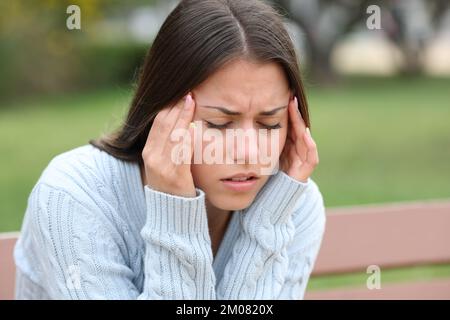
point(93, 231)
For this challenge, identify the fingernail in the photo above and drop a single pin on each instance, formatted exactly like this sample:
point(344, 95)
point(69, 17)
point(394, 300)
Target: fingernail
point(308, 131)
point(192, 125)
point(296, 105)
point(188, 101)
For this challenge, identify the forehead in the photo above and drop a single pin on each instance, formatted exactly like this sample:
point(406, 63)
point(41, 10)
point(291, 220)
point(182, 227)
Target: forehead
point(245, 86)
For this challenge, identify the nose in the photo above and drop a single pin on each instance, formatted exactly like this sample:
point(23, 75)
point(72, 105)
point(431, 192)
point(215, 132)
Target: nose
point(245, 148)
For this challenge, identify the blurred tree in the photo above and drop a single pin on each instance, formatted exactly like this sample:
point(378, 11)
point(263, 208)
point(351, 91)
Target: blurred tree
point(409, 24)
point(412, 24)
point(38, 54)
point(323, 23)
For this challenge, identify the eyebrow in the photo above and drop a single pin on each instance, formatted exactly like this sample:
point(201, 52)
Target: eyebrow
point(236, 113)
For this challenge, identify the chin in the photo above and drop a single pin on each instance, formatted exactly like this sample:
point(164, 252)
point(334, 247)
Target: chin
point(233, 203)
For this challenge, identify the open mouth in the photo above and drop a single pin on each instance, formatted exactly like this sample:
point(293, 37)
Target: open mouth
point(241, 179)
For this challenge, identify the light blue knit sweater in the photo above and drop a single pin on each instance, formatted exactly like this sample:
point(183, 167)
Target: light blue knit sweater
point(92, 231)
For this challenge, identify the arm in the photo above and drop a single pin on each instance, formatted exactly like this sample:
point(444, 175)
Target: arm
point(266, 250)
point(178, 248)
point(82, 255)
point(309, 220)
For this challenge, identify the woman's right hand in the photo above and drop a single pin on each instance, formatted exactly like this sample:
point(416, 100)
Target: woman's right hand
point(161, 171)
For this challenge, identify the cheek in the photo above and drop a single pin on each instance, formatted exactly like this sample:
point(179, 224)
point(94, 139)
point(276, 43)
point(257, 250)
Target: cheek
point(199, 172)
point(205, 170)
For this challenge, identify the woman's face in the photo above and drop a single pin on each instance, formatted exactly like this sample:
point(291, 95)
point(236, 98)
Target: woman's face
point(247, 96)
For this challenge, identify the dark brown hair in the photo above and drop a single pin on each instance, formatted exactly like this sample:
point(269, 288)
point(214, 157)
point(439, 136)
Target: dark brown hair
point(196, 39)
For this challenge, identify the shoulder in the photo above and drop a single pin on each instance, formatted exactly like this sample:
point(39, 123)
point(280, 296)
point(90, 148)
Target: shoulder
point(71, 214)
point(79, 167)
point(77, 181)
point(87, 172)
point(74, 198)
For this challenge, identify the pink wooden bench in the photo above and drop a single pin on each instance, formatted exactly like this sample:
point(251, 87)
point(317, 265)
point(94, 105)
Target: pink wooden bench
point(7, 267)
point(394, 235)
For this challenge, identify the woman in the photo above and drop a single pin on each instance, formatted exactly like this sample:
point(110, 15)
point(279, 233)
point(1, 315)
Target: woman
point(123, 218)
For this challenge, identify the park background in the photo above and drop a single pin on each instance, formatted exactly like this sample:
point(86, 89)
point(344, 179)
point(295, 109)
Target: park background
point(379, 98)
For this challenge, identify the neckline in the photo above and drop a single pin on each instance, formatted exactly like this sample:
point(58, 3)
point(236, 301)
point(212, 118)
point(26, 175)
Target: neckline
point(217, 260)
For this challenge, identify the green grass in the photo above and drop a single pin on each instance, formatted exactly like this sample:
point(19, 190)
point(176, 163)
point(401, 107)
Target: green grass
point(34, 131)
point(380, 140)
point(397, 275)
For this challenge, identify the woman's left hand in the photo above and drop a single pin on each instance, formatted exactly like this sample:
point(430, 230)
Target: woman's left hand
point(299, 156)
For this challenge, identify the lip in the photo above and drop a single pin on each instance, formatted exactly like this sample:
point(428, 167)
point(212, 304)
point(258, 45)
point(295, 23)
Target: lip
point(241, 186)
point(243, 175)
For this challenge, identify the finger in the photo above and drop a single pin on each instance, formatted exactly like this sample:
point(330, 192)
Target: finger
point(186, 113)
point(160, 116)
point(312, 158)
point(181, 130)
point(291, 113)
point(173, 115)
point(284, 156)
point(192, 136)
point(184, 122)
point(294, 160)
point(290, 139)
point(163, 125)
point(286, 148)
point(157, 123)
point(299, 125)
point(299, 128)
point(182, 151)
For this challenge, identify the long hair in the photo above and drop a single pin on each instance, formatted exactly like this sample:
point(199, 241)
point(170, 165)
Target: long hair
point(196, 39)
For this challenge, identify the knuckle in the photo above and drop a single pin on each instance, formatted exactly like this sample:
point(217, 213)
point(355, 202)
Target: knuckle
point(164, 126)
point(153, 164)
point(145, 153)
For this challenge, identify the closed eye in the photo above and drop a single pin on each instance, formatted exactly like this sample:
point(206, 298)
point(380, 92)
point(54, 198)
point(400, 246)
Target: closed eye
point(271, 127)
point(217, 126)
point(225, 125)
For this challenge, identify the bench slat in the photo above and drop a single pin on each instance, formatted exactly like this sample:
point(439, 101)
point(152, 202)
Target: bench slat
point(7, 268)
point(385, 235)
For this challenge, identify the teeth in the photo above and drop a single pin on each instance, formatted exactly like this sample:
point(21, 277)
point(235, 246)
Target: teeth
point(239, 179)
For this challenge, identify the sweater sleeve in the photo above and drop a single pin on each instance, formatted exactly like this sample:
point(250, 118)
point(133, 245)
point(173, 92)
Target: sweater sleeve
point(276, 248)
point(309, 220)
point(82, 254)
point(178, 248)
